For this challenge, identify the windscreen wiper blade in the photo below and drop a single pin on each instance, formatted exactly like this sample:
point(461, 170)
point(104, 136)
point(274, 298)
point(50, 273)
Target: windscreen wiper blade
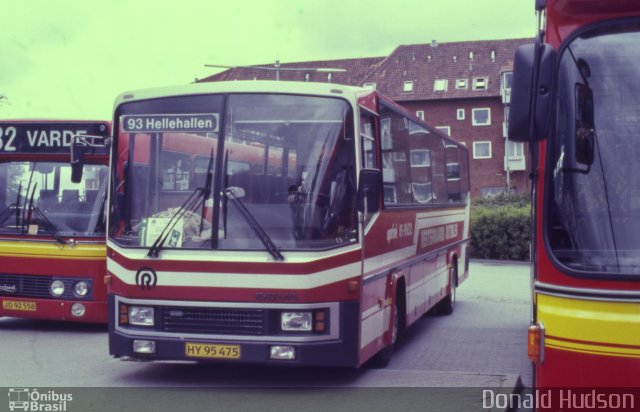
point(190, 203)
point(28, 208)
point(49, 225)
point(4, 215)
point(230, 193)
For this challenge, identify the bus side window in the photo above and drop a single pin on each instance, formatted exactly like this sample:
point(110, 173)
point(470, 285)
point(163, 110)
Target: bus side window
point(368, 142)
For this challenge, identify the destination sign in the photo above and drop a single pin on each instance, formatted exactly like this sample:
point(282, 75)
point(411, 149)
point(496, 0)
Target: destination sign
point(45, 137)
point(162, 123)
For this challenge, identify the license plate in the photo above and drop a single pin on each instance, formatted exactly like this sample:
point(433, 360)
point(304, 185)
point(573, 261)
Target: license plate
point(205, 350)
point(19, 305)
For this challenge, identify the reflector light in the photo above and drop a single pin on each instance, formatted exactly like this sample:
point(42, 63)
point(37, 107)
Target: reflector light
point(535, 346)
point(124, 314)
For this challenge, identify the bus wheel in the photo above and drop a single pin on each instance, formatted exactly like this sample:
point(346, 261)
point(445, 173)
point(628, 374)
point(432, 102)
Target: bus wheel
point(382, 358)
point(448, 304)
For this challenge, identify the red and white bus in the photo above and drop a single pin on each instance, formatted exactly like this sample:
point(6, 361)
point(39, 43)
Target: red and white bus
point(575, 99)
point(234, 230)
point(52, 231)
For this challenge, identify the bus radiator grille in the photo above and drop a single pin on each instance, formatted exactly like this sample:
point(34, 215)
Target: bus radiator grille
point(30, 286)
point(214, 321)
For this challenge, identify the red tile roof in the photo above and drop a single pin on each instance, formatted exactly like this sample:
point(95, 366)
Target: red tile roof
point(421, 63)
point(425, 63)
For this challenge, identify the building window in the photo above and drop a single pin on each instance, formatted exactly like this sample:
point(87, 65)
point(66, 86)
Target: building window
point(514, 149)
point(408, 86)
point(460, 114)
point(369, 86)
point(420, 114)
point(420, 158)
point(481, 117)
point(482, 150)
point(505, 86)
point(480, 83)
point(461, 84)
point(440, 85)
point(445, 129)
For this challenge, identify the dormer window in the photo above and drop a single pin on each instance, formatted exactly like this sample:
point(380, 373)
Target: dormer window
point(480, 83)
point(461, 83)
point(440, 85)
point(369, 85)
point(408, 86)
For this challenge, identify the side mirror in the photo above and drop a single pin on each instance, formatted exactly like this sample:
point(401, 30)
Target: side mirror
point(78, 149)
point(531, 98)
point(81, 144)
point(369, 190)
point(585, 125)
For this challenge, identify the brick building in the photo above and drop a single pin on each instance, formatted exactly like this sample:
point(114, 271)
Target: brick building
point(460, 87)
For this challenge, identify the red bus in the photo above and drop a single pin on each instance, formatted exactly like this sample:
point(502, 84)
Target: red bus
point(52, 231)
point(280, 223)
point(575, 100)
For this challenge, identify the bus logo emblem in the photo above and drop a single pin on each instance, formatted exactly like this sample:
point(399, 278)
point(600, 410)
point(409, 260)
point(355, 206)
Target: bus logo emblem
point(146, 278)
point(8, 288)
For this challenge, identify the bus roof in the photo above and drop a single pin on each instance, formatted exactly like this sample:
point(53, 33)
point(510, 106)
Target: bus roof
point(245, 86)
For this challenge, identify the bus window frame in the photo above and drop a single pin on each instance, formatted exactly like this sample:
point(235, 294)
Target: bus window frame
point(550, 162)
point(382, 102)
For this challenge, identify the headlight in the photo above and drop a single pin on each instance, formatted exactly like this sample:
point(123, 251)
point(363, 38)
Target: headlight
point(141, 315)
point(57, 287)
point(81, 288)
point(296, 321)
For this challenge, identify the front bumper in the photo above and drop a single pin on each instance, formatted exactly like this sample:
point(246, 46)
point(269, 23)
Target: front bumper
point(50, 309)
point(339, 347)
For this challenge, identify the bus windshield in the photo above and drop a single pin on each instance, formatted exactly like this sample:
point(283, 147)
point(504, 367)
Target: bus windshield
point(593, 222)
point(285, 166)
point(39, 199)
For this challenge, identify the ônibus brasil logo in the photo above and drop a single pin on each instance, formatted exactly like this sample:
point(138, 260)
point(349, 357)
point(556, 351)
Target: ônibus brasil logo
point(24, 399)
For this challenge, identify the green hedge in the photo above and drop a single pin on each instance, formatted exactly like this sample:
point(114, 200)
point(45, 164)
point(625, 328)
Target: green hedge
point(500, 228)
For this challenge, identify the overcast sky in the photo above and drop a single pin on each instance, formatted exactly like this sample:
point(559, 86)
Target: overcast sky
point(71, 58)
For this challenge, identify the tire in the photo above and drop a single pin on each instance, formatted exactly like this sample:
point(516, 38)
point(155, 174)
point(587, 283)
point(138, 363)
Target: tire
point(382, 358)
point(448, 304)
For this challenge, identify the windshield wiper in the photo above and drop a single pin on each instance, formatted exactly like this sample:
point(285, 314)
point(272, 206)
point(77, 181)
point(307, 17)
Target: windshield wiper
point(4, 215)
point(26, 213)
point(190, 203)
point(234, 194)
point(48, 225)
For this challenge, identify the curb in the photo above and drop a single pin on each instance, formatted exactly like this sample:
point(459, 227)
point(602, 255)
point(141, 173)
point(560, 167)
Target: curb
point(500, 262)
